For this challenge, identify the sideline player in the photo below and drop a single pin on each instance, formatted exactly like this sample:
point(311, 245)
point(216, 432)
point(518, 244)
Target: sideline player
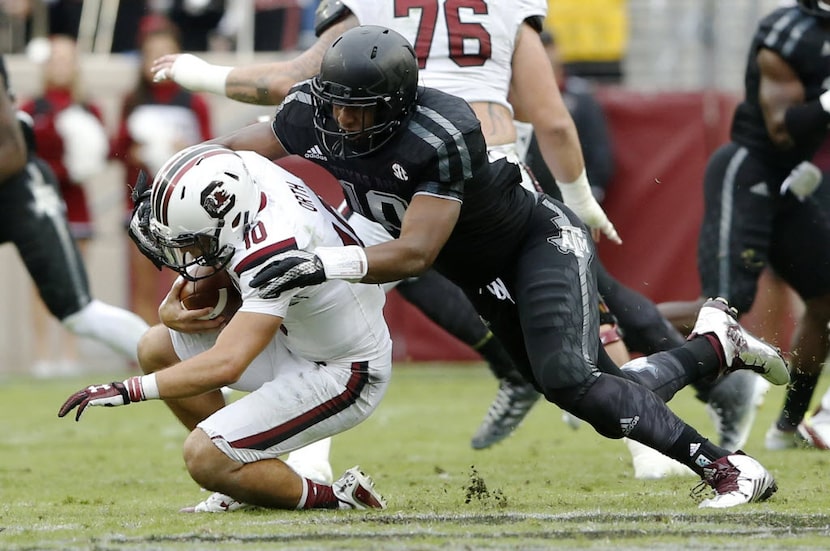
point(33, 217)
point(315, 362)
point(758, 207)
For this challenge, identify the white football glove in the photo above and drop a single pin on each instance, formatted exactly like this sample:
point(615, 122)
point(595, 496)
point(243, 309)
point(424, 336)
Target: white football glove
point(802, 181)
point(196, 74)
point(578, 197)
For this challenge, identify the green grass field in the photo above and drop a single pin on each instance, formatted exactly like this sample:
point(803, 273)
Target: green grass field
point(116, 481)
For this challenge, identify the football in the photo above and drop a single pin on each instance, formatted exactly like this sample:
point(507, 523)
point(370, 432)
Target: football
point(216, 291)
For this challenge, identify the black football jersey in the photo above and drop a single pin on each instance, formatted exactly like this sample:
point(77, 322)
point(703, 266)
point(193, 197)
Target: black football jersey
point(439, 151)
point(804, 43)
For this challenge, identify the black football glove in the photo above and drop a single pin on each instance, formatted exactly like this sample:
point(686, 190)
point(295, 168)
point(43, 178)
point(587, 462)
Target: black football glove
point(287, 271)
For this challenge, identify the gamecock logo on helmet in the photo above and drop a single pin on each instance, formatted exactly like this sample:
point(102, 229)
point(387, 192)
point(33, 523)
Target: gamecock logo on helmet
point(216, 201)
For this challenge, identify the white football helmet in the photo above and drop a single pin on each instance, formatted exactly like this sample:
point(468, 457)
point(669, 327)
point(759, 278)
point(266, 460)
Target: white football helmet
point(203, 201)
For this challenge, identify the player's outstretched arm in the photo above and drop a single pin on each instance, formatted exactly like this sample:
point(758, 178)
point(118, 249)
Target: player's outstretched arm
point(427, 225)
point(260, 83)
point(134, 389)
point(536, 97)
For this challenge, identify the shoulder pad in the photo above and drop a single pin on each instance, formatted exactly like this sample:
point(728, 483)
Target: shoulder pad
point(535, 22)
point(328, 12)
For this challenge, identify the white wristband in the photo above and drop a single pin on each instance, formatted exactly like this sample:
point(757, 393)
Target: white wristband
point(148, 387)
point(347, 263)
point(576, 192)
point(824, 100)
point(196, 74)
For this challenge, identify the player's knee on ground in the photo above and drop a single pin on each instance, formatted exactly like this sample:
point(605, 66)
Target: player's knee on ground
point(155, 350)
point(207, 465)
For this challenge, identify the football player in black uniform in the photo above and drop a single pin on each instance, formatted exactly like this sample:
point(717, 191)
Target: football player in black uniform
point(758, 211)
point(33, 217)
point(414, 159)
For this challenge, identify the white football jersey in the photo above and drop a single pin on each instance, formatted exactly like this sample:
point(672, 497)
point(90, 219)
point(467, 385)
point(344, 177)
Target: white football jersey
point(336, 320)
point(463, 48)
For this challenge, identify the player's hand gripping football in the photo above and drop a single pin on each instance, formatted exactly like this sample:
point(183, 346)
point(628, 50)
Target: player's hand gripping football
point(109, 395)
point(175, 316)
point(287, 271)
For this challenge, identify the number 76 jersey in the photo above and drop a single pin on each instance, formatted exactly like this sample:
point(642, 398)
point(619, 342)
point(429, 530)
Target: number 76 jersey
point(464, 47)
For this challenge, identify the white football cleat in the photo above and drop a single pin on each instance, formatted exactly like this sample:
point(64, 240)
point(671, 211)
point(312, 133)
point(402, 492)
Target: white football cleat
point(741, 349)
point(736, 479)
point(815, 429)
point(216, 503)
point(777, 439)
point(355, 490)
point(649, 464)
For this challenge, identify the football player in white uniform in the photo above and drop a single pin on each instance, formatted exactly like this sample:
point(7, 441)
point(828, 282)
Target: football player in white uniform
point(314, 362)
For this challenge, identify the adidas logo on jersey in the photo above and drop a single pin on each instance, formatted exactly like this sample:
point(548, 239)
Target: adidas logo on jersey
point(627, 424)
point(315, 153)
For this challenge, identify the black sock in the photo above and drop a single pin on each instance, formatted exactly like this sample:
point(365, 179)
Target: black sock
point(497, 359)
point(699, 357)
point(799, 393)
point(695, 451)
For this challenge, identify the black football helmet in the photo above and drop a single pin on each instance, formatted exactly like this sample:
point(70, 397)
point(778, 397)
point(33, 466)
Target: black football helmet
point(369, 67)
point(817, 8)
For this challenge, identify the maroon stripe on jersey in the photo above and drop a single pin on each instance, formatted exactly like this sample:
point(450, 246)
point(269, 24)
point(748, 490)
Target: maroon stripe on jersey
point(346, 233)
point(175, 173)
point(345, 237)
point(329, 408)
point(264, 254)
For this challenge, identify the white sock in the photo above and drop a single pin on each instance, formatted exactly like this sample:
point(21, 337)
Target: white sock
point(312, 461)
point(117, 328)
